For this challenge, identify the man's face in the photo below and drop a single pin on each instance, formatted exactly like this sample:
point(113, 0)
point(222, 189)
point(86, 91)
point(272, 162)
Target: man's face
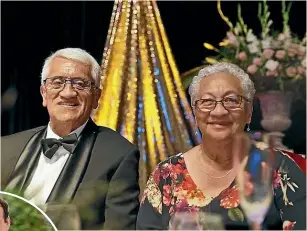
point(4, 224)
point(69, 105)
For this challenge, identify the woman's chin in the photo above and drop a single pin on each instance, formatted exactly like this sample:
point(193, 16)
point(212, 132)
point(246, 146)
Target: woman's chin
point(220, 135)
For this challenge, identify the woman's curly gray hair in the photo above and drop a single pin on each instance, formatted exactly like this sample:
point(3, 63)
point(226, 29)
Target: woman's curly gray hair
point(246, 82)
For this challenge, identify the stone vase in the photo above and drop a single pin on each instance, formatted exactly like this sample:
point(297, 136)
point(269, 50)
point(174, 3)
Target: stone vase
point(276, 112)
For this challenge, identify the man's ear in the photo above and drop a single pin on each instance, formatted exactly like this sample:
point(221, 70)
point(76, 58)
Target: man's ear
point(97, 97)
point(44, 95)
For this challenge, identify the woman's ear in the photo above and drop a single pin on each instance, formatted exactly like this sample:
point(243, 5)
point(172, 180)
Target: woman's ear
point(249, 113)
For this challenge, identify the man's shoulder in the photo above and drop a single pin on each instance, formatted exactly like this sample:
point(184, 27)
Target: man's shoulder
point(108, 134)
point(27, 133)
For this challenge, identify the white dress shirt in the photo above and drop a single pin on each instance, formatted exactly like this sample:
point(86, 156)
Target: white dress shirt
point(48, 171)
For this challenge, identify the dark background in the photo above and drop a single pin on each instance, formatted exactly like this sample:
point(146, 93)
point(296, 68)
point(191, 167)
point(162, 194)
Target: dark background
point(32, 30)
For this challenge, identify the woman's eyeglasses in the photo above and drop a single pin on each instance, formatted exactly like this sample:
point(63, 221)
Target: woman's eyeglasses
point(228, 102)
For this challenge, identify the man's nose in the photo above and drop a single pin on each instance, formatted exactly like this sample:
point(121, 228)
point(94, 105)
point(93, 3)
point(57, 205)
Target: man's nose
point(68, 90)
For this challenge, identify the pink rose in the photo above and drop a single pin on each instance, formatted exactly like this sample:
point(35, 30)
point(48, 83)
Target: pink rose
point(301, 52)
point(280, 54)
point(232, 38)
point(257, 61)
point(301, 70)
point(295, 46)
point(252, 69)
point(268, 53)
point(292, 52)
point(242, 56)
point(291, 71)
point(271, 73)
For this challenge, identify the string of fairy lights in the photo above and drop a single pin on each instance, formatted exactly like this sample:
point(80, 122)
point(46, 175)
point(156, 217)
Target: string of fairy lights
point(142, 94)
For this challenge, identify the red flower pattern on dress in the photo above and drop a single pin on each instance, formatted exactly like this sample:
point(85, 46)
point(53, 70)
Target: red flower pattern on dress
point(165, 170)
point(175, 171)
point(181, 161)
point(167, 194)
point(188, 183)
point(276, 179)
point(180, 193)
point(156, 176)
point(288, 225)
point(230, 197)
point(183, 206)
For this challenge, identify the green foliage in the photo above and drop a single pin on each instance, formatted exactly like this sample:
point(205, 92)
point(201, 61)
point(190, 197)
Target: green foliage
point(235, 214)
point(25, 217)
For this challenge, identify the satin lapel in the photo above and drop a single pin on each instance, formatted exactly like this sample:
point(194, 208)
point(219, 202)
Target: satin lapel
point(26, 164)
point(72, 174)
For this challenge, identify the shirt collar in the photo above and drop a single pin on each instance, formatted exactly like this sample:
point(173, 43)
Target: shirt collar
point(51, 134)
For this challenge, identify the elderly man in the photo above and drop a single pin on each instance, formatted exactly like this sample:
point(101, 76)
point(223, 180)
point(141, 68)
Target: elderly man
point(72, 159)
point(5, 220)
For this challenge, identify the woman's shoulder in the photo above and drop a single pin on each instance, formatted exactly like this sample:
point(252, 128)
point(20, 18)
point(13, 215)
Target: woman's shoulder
point(283, 156)
point(298, 160)
point(170, 164)
point(173, 160)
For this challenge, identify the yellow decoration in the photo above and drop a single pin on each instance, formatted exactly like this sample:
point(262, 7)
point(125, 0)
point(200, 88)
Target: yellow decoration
point(224, 43)
point(142, 94)
point(211, 61)
point(210, 47)
point(219, 9)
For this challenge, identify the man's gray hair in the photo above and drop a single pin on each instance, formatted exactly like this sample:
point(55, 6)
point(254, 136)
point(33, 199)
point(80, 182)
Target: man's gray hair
point(75, 54)
point(246, 82)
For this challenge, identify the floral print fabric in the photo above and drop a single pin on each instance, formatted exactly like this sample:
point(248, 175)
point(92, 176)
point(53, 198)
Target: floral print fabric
point(170, 189)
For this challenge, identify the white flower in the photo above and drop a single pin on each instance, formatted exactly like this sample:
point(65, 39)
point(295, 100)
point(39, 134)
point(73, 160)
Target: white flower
point(287, 44)
point(266, 43)
point(270, 22)
point(250, 37)
point(253, 47)
point(281, 37)
point(302, 48)
point(303, 63)
point(271, 65)
point(276, 44)
point(287, 33)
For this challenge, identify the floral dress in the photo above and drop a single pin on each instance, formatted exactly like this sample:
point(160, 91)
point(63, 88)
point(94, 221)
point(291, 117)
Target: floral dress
point(170, 188)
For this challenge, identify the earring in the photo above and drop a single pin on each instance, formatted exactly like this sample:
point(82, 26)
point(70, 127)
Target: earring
point(196, 133)
point(248, 128)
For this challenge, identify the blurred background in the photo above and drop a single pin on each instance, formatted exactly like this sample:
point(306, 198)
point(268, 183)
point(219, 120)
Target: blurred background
point(32, 30)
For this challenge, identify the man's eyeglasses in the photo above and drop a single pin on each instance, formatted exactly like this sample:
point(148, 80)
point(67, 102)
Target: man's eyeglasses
point(228, 102)
point(78, 83)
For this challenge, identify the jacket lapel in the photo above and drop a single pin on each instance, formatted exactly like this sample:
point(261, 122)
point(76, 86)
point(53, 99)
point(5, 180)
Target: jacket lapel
point(75, 167)
point(26, 164)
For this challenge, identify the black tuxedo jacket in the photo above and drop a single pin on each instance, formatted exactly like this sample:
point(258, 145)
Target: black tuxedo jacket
point(100, 176)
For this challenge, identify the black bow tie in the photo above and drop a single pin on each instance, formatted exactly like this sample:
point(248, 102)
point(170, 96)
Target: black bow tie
point(51, 145)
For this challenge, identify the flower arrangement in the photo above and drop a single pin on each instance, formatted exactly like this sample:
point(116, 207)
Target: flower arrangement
point(275, 60)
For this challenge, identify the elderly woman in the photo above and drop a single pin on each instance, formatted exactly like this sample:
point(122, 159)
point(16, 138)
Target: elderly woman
point(203, 178)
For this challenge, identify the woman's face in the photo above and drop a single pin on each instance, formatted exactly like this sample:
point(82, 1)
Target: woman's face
point(221, 123)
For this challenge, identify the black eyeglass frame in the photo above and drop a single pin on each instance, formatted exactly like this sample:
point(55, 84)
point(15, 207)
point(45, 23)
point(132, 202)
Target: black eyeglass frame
point(90, 84)
point(222, 102)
